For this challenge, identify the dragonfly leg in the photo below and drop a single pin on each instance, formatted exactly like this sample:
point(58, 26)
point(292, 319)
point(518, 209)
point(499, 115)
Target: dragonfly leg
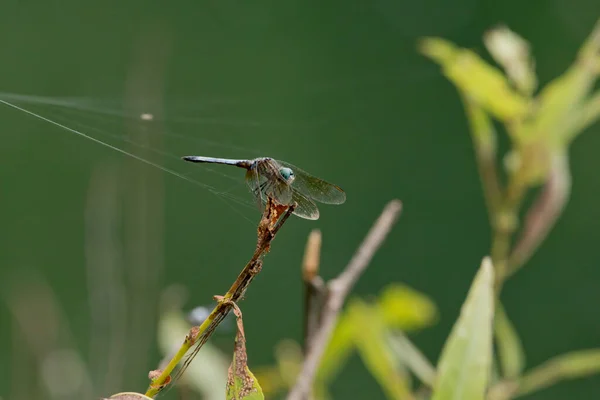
point(228, 302)
point(260, 188)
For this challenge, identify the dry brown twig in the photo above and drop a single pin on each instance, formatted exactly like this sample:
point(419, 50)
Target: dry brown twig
point(314, 287)
point(272, 220)
point(338, 290)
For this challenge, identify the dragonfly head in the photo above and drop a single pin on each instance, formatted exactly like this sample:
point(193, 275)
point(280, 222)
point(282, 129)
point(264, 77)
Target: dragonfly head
point(287, 174)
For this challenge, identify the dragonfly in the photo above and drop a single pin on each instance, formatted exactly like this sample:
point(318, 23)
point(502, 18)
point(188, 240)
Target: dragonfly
point(284, 183)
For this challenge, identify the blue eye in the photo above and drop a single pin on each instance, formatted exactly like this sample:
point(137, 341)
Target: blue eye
point(286, 173)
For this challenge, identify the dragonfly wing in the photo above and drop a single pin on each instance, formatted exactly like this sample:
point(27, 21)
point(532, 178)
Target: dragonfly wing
point(315, 188)
point(279, 191)
point(262, 187)
point(253, 180)
point(305, 207)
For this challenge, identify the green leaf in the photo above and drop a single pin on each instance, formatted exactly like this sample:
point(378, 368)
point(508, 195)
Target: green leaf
point(476, 79)
point(482, 129)
point(589, 113)
point(241, 382)
point(408, 354)
point(401, 307)
point(562, 103)
point(510, 348)
point(338, 350)
point(405, 308)
point(370, 334)
point(512, 52)
point(243, 385)
point(465, 362)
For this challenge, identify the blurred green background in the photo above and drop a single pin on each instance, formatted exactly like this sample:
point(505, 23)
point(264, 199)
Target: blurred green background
point(334, 87)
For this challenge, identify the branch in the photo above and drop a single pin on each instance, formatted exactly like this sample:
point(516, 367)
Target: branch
point(314, 287)
point(338, 290)
point(272, 220)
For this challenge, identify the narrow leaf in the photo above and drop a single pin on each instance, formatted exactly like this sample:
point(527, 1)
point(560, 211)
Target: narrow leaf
point(338, 351)
point(409, 355)
point(577, 364)
point(512, 52)
point(404, 308)
point(477, 79)
point(589, 113)
point(465, 364)
point(370, 335)
point(561, 102)
point(401, 307)
point(241, 382)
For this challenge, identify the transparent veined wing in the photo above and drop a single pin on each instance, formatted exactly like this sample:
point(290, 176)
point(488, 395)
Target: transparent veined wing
point(262, 187)
point(279, 191)
point(315, 188)
point(305, 207)
point(253, 181)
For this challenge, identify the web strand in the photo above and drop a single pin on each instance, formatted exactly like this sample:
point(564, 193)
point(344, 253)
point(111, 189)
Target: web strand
point(209, 188)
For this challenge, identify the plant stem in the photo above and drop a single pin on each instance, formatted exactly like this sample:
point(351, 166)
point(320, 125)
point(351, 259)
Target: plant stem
point(573, 365)
point(314, 287)
point(338, 290)
point(272, 220)
point(484, 142)
point(504, 226)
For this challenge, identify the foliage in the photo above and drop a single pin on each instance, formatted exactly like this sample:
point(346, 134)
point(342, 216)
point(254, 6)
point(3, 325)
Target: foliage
point(465, 364)
point(540, 128)
point(241, 382)
point(483, 357)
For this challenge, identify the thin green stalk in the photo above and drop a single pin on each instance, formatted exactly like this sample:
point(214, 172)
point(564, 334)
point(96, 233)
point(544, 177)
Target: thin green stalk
point(504, 226)
point(572, 365)
point(502, 204)
point(484, 142)
point(273, 219)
